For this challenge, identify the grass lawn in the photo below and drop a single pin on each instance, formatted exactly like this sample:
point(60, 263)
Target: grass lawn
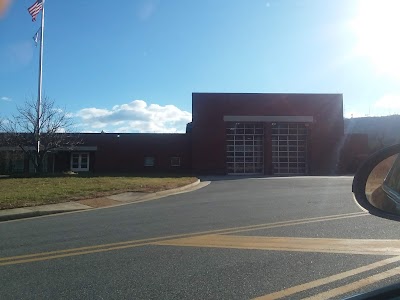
point(20, 192)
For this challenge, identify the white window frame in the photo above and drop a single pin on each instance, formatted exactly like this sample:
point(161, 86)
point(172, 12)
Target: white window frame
point(80, 154)
point(174, 164)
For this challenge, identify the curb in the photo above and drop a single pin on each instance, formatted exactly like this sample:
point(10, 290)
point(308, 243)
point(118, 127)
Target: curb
point(165, 193)
point(31, 212)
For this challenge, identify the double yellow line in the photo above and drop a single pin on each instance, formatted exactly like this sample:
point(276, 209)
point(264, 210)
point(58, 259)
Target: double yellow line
point(341, 289)
point(42, 256)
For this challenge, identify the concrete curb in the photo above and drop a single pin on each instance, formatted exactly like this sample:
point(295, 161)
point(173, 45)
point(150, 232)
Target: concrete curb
point(42, 210)
point(165, 193)
point(35, 211)
point(30, 214)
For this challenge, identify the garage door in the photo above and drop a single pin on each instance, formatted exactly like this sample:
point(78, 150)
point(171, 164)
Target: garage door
point(244, 148)
point(289, 148)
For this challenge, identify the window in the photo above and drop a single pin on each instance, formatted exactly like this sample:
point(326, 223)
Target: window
point(175, 161)
point(80, 162)
point(149, 161)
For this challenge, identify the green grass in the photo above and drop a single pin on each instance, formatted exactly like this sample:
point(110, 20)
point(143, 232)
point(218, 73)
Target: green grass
point(20, 192)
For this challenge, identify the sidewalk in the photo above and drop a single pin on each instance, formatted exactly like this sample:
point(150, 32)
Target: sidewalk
point(87, 204)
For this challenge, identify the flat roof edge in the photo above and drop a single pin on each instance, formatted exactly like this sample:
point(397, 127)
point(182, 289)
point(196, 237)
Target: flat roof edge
point(280, 94)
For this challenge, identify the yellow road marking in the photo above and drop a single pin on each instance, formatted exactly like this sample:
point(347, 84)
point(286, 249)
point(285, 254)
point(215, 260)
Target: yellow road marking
point(356, 285)
point(348, 246)
point(299, 222)
point(133, 243)
point(34, 259)
point(226, 231)
point(319, 282)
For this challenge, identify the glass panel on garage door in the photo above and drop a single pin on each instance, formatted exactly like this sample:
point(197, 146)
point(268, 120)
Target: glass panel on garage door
point(245, 148)
point(289, 148)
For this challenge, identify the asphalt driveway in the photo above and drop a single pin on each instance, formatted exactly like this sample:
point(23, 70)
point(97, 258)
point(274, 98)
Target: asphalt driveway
point(234, 239)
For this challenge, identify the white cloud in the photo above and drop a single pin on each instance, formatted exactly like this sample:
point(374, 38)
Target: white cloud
point(4, 121)
point(387, 104)
point(353, 114)
point(135, 116)
point(389, 101)
point(4, 98)
point(58, 110)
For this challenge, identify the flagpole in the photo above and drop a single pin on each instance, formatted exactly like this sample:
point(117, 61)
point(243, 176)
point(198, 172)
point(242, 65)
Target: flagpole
point(39, 100)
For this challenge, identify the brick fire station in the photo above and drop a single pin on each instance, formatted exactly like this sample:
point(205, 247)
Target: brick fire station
point(231, 133)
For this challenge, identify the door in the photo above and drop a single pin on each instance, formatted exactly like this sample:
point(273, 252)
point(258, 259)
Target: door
point(244, 148)
point(289, 148)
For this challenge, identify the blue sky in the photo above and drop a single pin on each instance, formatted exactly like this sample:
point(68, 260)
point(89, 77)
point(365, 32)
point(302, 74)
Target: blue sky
point(131, 66)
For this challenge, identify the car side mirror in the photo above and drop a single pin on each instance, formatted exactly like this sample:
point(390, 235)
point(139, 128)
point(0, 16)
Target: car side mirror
point(376, 184)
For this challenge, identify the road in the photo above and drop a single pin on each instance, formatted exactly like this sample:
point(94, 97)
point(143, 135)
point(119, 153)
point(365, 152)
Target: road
point(237, 238)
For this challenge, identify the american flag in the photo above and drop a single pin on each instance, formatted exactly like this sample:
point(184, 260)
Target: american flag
point(35, 9)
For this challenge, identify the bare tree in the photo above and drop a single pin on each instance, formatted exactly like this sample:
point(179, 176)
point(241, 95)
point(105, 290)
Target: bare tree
point(55, 128)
